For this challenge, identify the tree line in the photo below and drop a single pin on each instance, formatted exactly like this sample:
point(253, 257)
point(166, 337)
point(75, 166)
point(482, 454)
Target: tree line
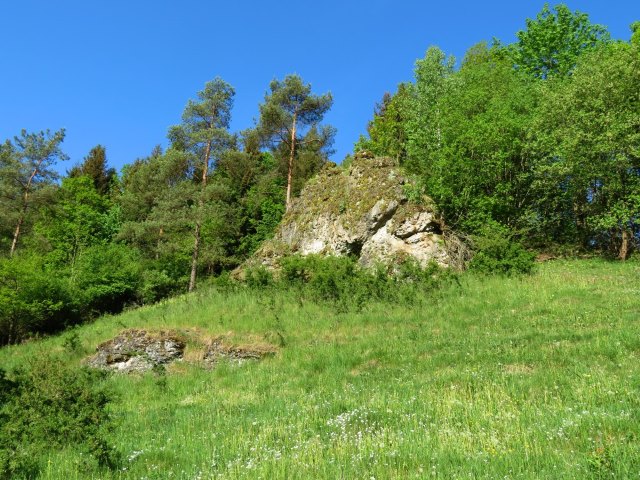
point(538, 140)
point(93, 242)
point(535, 142)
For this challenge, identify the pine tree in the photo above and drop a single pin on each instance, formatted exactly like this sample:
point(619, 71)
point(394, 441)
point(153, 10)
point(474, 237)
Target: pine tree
point(287, 110)
point(25, 171)
point(204, 133)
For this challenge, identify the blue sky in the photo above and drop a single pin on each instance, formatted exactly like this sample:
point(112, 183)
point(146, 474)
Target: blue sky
point(119, 73)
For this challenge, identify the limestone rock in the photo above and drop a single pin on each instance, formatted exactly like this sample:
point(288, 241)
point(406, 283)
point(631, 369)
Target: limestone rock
point(137, 351)
point(363, 211)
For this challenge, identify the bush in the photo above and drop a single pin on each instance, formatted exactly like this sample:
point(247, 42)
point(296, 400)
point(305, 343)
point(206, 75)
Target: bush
point(39, 298)
point(32, 300)
point(328, 278)
point(48, 407)
point(341, 281)
point(108, 277)
point(155, 286)
point(258, 277)
point(497, 253)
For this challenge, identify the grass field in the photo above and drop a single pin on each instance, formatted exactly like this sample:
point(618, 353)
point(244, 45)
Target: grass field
point(533, 377)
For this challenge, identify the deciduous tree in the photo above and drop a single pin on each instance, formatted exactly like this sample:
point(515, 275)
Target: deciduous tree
point(590, 128)
point(553, 41)
point(433, 76)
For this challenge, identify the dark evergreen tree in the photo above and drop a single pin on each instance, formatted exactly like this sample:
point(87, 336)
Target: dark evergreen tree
point(95, 167)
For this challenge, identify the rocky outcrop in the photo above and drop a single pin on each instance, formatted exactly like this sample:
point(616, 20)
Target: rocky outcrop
point(363, 210)
point(218, 350)
point(137, 351)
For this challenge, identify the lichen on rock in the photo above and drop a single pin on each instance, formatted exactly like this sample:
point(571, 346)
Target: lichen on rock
point(363, 211)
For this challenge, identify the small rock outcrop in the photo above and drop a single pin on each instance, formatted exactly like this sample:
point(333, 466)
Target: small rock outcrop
point(137, 351)
point(218, 350)
point(363, 210)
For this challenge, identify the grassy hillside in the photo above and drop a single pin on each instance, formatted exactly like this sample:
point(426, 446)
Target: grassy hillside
point(535, 377)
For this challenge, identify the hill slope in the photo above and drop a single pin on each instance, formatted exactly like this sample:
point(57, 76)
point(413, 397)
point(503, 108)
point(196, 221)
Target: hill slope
point(534, 377)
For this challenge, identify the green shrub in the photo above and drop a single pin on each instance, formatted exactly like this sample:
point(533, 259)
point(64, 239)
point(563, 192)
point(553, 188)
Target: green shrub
point(258, 277)
point(107, 277)
point(497, 253)
point(155, 285)
point(32, 300)
point(37, 297)
point(48, 407)
point(71, 342)
point(340, 280)
point(223, 282)
point(328, 278)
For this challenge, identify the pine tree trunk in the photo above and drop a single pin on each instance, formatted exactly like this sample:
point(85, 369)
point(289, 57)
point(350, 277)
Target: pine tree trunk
point(10, 336)
point(291, 155)
point(16, 235)
point(196, 233)
point(159, 242)
point(194, 258)
point(624, 246)
point(25, 206)
point(205, 164)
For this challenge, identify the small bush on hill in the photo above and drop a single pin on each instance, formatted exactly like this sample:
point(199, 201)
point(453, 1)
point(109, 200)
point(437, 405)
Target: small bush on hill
point(107, 278)
point(329, 278)
point(497, 253)
point(48, 407)
point(258, 277)
point(156, 285)
point(341, 281)
point(32, 300)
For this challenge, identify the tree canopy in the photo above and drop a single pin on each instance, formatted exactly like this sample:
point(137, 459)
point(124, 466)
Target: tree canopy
point(553, 41)
point(288, 108)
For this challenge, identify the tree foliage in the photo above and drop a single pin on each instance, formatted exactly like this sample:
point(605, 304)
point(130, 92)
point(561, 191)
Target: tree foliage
point(204, 135)
point(95, 167)
point(387, 135)
point(588, 136)
point(552, 163)
point(553, 41)
point(25, 173)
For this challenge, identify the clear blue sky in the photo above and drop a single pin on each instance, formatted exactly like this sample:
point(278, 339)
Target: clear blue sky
point(119, 73)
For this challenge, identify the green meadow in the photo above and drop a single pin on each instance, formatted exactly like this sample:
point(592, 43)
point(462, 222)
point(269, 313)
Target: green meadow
point(524, 377)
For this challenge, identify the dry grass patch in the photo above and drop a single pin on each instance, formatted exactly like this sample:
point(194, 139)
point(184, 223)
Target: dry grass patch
point(223, 348)
point(518, 369)
point(366, 367)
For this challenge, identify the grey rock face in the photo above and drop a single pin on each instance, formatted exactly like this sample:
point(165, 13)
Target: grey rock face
point(137, 351)
point(362, 211)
